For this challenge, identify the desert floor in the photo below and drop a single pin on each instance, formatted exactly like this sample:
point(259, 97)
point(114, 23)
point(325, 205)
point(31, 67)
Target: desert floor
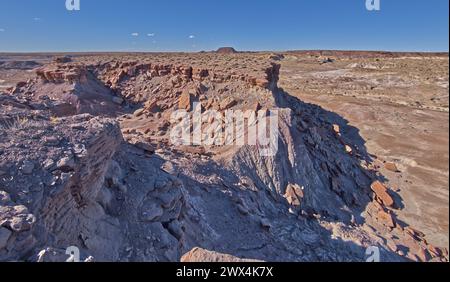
point(400, 106)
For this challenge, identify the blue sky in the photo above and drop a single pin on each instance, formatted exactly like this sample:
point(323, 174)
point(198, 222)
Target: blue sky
point(182, 25)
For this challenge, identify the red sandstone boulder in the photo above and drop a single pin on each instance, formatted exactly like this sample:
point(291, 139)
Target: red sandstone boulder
point(185, 101)
point(391, 167)
point(382, 194)
point(386, 219)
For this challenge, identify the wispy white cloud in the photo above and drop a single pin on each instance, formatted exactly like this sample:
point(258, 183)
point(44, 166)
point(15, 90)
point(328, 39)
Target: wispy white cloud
point(2, 30)
point(135, 34)
point(151, 34)
point(37, 19)
point(191, 36)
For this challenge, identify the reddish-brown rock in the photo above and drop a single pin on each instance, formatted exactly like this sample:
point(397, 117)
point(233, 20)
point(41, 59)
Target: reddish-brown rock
point(227, 103)
point(59, 74)
point(386, 219)
point(423, 255)
point(294, 194)
point(416, 234)
point(185, 101)
point(381, 193)
point(435, 251)
point(151, 107)
point(391, 166)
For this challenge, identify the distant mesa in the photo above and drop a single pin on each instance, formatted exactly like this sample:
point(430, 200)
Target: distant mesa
point(63, 60)
point(19, 65)
point(226, 50)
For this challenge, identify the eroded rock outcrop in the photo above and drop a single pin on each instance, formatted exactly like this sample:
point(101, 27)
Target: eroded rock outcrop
point(202, 255)
point(49, 197)
point(77, 195)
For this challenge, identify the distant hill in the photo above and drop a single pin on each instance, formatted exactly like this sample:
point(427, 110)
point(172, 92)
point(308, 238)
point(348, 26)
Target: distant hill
point(226, 50)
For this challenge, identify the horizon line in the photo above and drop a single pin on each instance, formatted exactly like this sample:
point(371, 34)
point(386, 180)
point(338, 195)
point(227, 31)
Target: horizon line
point(238, 51)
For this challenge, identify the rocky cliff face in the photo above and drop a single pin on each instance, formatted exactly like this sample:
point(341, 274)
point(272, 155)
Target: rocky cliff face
point(62, 187)
point(52, 174)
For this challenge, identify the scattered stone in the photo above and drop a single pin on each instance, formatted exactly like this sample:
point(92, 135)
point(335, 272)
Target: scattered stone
point(79, 150)
point(382, 194)
point(423, 255)
point(4, 198)
point(16, 218)
point(151, 107)
point(435, 251)
point(52, 255)
point(336, 129)
point(48, 164)
point(228, 103)
point(51, 141)
point(185, 101)
point(66, 164)
point(294, 194)
point(65, 177)
point(348, 149)
point(391, 167)
point(414, 233)
point(138, 113)
point(386, 219)
point(148, 148)
point(169, 168)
